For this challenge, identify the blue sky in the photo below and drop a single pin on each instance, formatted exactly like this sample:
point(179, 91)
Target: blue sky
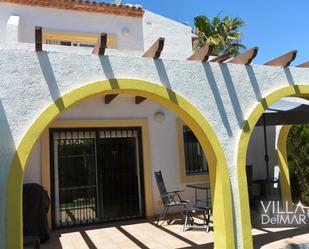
point(274, 26)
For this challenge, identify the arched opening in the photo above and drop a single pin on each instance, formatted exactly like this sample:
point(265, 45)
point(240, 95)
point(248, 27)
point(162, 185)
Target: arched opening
point(219, 178)
point(300, 91)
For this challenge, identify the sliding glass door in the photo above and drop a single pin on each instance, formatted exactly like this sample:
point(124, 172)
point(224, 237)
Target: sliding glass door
point(96, 175)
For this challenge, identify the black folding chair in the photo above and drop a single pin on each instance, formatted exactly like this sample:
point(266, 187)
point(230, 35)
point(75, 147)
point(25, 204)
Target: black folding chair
point(189, 216)
point(169, 199)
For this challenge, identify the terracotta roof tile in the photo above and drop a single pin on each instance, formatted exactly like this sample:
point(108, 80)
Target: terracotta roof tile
point(84, 5)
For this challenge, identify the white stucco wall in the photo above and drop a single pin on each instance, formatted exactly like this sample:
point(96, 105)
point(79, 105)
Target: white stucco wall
point(132, 33)
point(224, 93)
point(163, 139)
point(33, 172)
point(178, 43)
point(73, 21)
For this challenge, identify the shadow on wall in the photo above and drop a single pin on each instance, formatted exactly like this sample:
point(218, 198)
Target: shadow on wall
point(232, 93)
point(254, 83)
point(218, 99)
point(7, 152)
point(49, 76)
point(291, 80)
point(242, 123)
point(164, 79)
point(288, 75)
point(8, 147)
point(50, 79)
point(108, 71)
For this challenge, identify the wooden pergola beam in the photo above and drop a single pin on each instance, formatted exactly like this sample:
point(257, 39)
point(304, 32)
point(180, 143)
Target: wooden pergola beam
point(139, 99)
point(283, 60)
point(38, 39)
point(109, 98)
point(155, 50)
point(100, 46)
point(246, 57)
point(221, 58)
point(306, 64)
point(202, 54)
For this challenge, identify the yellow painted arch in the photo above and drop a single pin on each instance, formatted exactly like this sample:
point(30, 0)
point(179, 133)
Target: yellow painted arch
point(221, 189)
point(285, 185)
point(296, 90)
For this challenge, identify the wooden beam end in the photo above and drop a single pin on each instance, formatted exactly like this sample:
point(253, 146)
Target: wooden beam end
point(221, 58)
point(156, 49)
point(246, 57)
point(100, 46)
point(283, 60)
point(139, 99)
point(38, 33)
point(304, 65)
point(109, 98)
point(202, 54)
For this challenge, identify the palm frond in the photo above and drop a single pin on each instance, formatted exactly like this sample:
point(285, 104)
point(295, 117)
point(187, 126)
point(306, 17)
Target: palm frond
point(222, 32)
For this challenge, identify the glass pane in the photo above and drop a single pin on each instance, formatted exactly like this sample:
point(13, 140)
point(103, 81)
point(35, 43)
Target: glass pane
point(119, 174)
point(65, 43)
point(76, 173)
point(195, 159)
point(86, 45)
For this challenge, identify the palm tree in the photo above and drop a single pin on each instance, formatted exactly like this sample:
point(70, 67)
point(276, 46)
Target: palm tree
point(222, 32)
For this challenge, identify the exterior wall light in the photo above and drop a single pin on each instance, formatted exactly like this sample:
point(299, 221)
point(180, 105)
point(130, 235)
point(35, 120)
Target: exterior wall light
point(159, 117)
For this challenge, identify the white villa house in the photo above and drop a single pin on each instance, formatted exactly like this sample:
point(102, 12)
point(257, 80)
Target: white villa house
point(91, 124)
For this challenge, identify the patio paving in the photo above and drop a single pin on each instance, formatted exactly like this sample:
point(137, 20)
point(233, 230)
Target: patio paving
point(281, 238)
point(145, 234)
point(129, 235)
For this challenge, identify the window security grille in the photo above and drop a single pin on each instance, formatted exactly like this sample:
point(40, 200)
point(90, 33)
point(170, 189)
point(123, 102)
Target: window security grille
point(96, 175)
point(195, 160)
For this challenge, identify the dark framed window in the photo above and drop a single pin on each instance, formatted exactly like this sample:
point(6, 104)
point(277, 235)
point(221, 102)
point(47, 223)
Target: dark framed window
point(195, 160)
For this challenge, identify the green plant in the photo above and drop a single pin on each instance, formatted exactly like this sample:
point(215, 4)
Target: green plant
point(222, 32)
point(298, 159)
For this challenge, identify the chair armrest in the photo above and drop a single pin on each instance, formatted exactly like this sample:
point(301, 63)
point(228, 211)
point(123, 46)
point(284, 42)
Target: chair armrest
point(168, 194)
point(177, 191)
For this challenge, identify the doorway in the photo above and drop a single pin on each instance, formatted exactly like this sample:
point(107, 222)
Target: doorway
point(96, 175)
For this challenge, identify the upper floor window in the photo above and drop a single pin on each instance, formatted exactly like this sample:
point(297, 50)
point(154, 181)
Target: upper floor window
point(70, 43)
point(76, 39)
point(195, 160)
